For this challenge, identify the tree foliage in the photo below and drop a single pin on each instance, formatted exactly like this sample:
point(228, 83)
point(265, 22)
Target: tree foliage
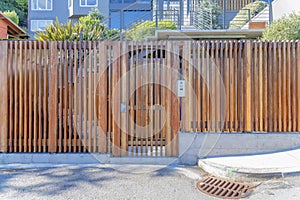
point(286, 28)
point(241, 18)
point(88, 28)
point(12, 15)
point(147, 28)
point(19, 6)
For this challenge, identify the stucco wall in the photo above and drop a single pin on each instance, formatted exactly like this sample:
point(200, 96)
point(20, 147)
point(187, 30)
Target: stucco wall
point(193, 146)
point(282, 7)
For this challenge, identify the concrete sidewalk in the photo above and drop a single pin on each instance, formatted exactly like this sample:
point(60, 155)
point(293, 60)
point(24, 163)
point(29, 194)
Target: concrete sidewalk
point(254, 167)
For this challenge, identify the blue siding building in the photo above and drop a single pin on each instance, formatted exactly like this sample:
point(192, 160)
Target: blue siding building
point(43, 12)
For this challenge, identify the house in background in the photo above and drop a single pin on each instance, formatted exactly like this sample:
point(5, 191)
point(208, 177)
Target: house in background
point(10, 30)
point(41, 13)
point(279, 9)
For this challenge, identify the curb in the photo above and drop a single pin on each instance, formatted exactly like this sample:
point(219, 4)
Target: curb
point(246, 174)
point(80, 158)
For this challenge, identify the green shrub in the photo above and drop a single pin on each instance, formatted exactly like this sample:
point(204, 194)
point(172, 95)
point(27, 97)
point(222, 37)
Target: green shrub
point(241, 18)
point(88, 28)
point(286, 28)
point(12, 15)
point(147, 28)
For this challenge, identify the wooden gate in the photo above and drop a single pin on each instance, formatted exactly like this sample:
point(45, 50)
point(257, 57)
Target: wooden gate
point(143, 103)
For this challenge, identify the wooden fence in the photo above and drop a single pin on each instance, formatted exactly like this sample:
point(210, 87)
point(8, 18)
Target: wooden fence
point(92, 97)
point(243, 86)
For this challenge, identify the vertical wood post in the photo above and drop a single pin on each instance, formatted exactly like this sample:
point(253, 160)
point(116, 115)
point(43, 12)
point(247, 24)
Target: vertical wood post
point(247, 85)
point(298, 84)
point(53, 97)
point(3, 97)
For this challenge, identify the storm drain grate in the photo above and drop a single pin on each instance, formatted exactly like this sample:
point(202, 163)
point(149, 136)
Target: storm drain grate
point(224, 189)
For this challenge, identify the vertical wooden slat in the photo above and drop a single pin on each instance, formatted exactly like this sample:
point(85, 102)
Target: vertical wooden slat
point(168, 79)
point(162, 97)
point(46, 94)
point(94, 98)
point(204, 85)
point(275, 87)
point(175, 101)
point(260, 75)
point(124, 99)
point(284, 90)
point(90, 103)
point(186, 48)
point(70, 95)
point(21, 91)
point(208, 86)
point(4, 97)
point(293, 87)
point(236, 76)
point(198, 85)
point(85, 91)
point(11, 99)
point(116, 100)
point(75, 93)
point(265, 78)
point(137, 100)
point(64, 100)
point(16, 96)
point(288, 88)
point(215, 68)
point(157, 96)
point(35, 99)
point(102, 87)
point(247, 105)
point(79, 96)
point(26, 98)
point(151, 86)
point(231, 91)
point(60, 98)
point(279, 75)
point(39, 93)
point(255, 87)
point(132, 96)
point(298, 84)
point(53, 98)
point(226, 107)
point(31, 109)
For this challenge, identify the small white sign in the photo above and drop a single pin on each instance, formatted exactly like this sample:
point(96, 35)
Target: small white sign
point(123, 107)
point(181, 88)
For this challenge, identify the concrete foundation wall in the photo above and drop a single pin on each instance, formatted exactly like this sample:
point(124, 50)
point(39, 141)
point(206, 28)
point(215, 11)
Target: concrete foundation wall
point(193, 146)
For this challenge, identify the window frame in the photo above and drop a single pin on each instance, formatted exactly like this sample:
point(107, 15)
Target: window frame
point(47, 9)
point(90, 6)
point(38, 20)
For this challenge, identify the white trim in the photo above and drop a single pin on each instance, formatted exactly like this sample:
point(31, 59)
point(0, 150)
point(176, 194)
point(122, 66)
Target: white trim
point(32, 21)
point(47, 9)
point(88, 5)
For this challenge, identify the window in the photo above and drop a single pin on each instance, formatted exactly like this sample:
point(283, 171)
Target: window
point(41, 4)
point(88, 3)
point(40, 25)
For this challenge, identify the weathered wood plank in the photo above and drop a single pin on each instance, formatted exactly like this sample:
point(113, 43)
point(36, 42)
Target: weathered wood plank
point(53, 98)
point(116, 100)
point(4, 96)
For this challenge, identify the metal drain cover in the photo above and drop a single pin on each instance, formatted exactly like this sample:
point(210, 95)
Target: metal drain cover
point(224, 189)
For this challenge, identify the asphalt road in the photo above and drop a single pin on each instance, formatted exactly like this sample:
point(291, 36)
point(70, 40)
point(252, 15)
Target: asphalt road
point(122, 182)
